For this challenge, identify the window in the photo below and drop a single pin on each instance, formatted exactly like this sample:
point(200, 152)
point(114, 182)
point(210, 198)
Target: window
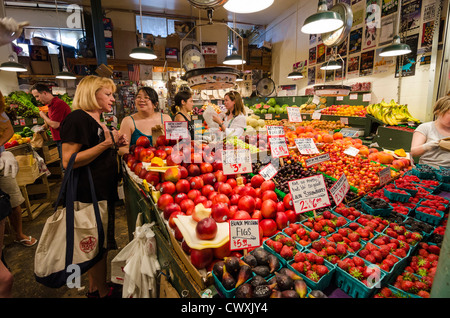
point(155, 25)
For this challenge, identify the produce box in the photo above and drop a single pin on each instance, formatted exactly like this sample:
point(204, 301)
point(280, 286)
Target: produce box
point(396, 196)
point(50, 153)
point(376, 212)
point(282, 253)
point(424, 171)
point(28, 169)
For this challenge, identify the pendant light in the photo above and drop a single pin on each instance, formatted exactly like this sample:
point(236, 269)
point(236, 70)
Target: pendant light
point(234, 58)
point(142, 52)
point(323, 21)
point(295, 74)
point(332, 63)
point(396, 48)
point(247, 6)
point(64, 74)
point(12, 65)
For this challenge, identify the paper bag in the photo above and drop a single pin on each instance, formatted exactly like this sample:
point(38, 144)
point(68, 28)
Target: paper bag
point(38, 139)
point(444, 144)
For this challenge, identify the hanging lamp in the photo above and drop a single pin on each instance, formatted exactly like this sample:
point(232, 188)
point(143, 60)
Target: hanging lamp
point(322, 21)
point(12, 65)
point(64, 74)
point(142, 52)
point(234, 58)
point(247, 6)
point(396, 48)
point(295, 74)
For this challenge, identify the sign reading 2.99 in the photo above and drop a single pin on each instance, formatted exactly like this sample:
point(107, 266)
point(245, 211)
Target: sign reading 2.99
point(309, 193)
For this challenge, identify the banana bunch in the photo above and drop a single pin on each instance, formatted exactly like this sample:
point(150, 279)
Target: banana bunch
point(391, 113)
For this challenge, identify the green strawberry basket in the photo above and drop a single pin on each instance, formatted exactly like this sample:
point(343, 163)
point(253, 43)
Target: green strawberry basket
point(225, 292)
point(282, 260)
point(376, 212)
point(444, 178)
point(424, 174)
point(398, 293)
point(395, 196)
point(430, 219)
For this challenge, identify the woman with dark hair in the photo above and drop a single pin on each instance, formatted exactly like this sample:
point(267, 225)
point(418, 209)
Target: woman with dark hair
point(182, 108)
point(145, 120)
point(235, 118)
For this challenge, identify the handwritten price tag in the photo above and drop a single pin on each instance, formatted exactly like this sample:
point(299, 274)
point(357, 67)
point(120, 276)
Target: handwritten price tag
point(268, 172)
point(278, 147)
point(316, 115)
point(294, 114)
point(317, 159)
point(351, 151)
point(175, 130)
point(306, 146)
point(385, 175)
point(340, 189)
point(275, 131)
point(244, 234)
point(268, 116)
point(309, 193)
point(344, 120)
point(236, 161)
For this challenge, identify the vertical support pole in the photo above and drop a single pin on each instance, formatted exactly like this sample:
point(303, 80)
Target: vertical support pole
point(99, 32)
point(441, 282)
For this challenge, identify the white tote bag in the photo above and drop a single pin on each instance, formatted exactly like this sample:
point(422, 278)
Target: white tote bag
point(74, 235)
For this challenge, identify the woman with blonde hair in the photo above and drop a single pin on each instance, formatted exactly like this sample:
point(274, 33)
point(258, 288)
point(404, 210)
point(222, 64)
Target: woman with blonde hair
point(83, 132)
point(426, 137)
point(234, 122)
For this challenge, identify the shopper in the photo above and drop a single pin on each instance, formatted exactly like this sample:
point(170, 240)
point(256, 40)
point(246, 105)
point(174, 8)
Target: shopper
point(182, 109)
point(8, 171)
point(84, 133)
point(234, 121)
point(57, 111)
point(145, 121)
point(426, 137)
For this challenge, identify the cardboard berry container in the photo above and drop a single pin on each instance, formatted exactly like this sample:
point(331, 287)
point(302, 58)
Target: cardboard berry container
point(394, 196)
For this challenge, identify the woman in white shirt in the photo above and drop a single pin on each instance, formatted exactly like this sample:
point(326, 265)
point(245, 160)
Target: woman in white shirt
point(425, 141)
point(235, 119)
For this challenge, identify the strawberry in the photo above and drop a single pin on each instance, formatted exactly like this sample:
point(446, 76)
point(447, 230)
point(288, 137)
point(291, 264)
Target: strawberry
point(358, 261)
point(386, 292)
point(354, 236)
point(277, 246)
point(341, 250)
point(300, 232)
point(311, 257)
point(312, 276)
point(337, 237)
point(286, 252)
point(407, 285)
point(355, 272)
point(423, 294)
point(321, 270)
point(330, 250)
point(319, 260)
point(434, 249)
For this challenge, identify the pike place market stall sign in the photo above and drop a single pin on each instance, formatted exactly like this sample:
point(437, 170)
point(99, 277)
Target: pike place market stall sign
point(309, 193)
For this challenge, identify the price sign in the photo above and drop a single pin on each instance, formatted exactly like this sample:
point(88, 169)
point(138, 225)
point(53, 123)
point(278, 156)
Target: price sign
point(316, 115)
point(244, 234)
point(340, 189)
point(309, 193)
point(344, 120)
point(294, 114)
point(349, 133)
point(385, 175)
point(306, 146)
point(22, 122)
point(351, 151)
point(268, 116)
point(268, 172)
point(317, 159)
point(236, 161)
point(275, 131)
point(278, 147)
point(34, 120)
point(175, 130)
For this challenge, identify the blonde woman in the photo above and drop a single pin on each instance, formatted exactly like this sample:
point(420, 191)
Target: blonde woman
point(426, 137)
point(235, 118)
point(82, 132)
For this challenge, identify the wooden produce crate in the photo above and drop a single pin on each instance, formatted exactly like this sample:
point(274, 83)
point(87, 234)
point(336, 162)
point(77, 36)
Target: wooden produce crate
point(28, 169)
point(51, 153)
point(34, 207)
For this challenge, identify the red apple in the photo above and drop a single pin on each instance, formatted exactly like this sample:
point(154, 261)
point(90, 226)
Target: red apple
point(241, 215)
point(222, 251)
point(200, 199)
point(208, 178)
point(287, 200)
point(207, 189)
point(197, 183)
point(130, 162)
point(258, 192)
point(207, 204)
point(183, 172)
point(168, 150)
point(164, 200)
point(183, 186)
point(143, 142)
point(161, 141)
point(269, 195)
point(185, 247)
point(220, 197)
point(206, 229)
point(248, 190)
point(232, 211)
point(143, 174)
point(234, 199)
point(172, 174)
point(146, 155)
point(220, 177)
point(280, 207)
point(180, 196)
point(168, 187)
point(257, 215)
point(178, 235)
point(192, 194)
point(246, 203)
point(161, 154)
point(269, 209)
point(212, 195)
point(220, 212)
point(268, 226)
point(257, 180)
point(281, 220)
point(137, 152)
point(170, 208)
point(232, 183)
point(201, 258)
point(217, 165)
point(137, 168)
point(217, 185)
point(258, 203)
point(173, 216)
point(206, 167)
point(267, 185)
point(193, 170)
point(291, 215)
point(225, 188)
point(186, 205)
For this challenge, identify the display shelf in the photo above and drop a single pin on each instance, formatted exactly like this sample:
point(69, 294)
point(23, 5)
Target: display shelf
point(393, 138)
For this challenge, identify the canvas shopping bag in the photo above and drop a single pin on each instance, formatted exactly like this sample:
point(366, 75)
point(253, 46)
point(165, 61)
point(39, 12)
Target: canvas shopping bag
point(74, 234)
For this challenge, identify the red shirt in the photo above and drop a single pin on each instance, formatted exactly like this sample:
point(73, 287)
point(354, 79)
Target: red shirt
point(57, 111)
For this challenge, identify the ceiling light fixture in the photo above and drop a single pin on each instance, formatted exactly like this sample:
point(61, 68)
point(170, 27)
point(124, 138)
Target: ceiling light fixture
point(12, 65)
point(331, 65)
point(295, 74)
point(234, 58)
point(247, 6)
point(323, 21)
point(64, 74)
point(142, 52)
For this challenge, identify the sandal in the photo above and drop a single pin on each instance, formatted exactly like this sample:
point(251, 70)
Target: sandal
point(27, 242)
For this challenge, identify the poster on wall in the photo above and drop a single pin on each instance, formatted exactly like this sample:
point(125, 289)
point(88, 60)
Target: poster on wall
point(388, 7)
point(342, 48)
point(366, 63)
point(312, 56)
point(321, 50)
point(355, 41)
point(410, 15)
point(387, 29)
point(382, 64)
point(373, 14)
point(359, 14)
point(353, 66)
point(312, 39)
point(341, 73)
point(319, 75)
point(429, 10)
point(312, 75)
point(427, 34)
point(370, 37)
point(409, 60)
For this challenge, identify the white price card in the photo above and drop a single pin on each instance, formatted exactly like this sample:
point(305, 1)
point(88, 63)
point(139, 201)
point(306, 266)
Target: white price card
point(306, 146)
point(175, 130)
point(340, 189)
point(353, 96)
point(244, 234)
point(275, 131)
point(268, 116)
point(316, 100)
point(317, 159)
point(340, 98)
point(344, 120)
point(316, 115)
point(278, 147)
point(268, 172)
point(309, 193)
point(294, 114)
point(367, 97)
point(351, 151)
point(236, 161)
point(385, 175)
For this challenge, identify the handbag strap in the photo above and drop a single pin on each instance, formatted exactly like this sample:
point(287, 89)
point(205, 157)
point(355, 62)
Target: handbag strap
point(67, 177)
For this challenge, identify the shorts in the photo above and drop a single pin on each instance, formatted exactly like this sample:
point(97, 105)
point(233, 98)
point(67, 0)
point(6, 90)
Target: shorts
point(9, 185)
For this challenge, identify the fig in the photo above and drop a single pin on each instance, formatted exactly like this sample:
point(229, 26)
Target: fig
point(289, 294)
point(262, 291)
point(261, 255)
point(261, 270)
point(244, 291)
